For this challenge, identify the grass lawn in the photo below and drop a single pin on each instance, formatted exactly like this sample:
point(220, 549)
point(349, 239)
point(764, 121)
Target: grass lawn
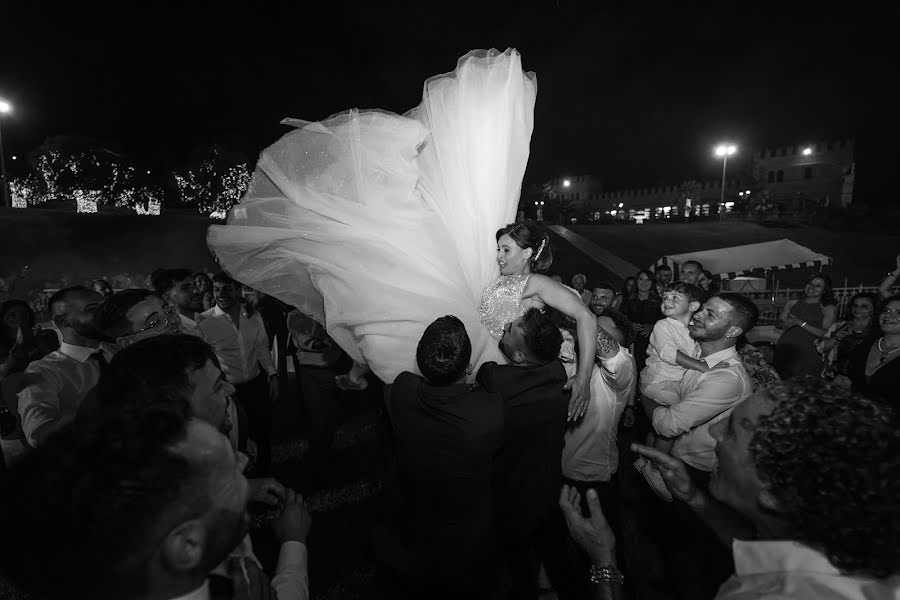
point(861, 257)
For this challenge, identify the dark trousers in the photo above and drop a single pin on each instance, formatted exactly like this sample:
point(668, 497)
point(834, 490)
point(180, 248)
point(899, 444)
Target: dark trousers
point(253, 398)
point(321, 400)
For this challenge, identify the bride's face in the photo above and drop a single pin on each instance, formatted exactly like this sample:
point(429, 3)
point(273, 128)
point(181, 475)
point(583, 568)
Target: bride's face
point(512, 259)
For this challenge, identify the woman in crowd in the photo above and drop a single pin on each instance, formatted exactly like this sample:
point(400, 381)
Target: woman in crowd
point(874, 366)
point(629, 288)
point(705, 281)
point(805, 320)
point(843, 337)
point(643, 310)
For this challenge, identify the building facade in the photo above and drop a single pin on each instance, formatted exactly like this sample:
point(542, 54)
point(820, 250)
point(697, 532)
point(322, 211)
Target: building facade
point(821, 173)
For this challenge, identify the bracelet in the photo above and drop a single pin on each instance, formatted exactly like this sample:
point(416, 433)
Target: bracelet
point(607, 573)
point(803, 324)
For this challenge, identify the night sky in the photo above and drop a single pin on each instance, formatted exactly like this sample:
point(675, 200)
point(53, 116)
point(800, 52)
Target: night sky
point(634, 92)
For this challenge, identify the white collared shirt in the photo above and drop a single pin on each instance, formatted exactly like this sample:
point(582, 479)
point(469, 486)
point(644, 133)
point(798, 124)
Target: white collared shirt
point(55, 387)
point(190, 326)
point(240, 352)
point(785, 569)
point(291, 580)
point(706, 398)
point(590, 452)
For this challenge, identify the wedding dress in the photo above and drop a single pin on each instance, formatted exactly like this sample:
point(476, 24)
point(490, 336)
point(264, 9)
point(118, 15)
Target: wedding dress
point(376, 224)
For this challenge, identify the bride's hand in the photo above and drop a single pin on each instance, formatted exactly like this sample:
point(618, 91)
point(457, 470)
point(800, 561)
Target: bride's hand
point(581, 395)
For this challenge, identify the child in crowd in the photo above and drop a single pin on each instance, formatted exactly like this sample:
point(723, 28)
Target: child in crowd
point(672, 351)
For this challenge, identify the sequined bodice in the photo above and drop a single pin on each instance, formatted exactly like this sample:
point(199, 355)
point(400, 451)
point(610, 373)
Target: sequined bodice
point(501, 303)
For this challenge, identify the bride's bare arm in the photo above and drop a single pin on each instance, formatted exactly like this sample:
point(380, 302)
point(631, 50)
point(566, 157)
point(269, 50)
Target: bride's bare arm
point(555, 295)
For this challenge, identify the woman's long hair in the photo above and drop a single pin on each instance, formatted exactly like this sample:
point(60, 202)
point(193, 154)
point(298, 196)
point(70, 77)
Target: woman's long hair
point(827, 298)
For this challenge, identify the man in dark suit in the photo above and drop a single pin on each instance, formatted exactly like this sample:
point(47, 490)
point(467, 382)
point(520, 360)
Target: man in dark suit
point(441, 541)
point(527, 471)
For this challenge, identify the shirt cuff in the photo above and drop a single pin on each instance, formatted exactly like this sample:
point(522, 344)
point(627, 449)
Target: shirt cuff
point(292, 553)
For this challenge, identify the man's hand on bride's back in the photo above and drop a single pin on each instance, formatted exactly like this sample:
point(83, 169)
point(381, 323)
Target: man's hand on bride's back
point(581, 395)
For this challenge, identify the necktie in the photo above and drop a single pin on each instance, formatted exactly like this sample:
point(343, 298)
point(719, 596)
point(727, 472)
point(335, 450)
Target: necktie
point(98, 358)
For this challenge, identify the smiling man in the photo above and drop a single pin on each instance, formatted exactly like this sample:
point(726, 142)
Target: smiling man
point(706, 397)
point(53, 387)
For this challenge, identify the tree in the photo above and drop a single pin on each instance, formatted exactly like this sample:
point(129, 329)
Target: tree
point(689, 195)
point(215, 181)
point(560, 204)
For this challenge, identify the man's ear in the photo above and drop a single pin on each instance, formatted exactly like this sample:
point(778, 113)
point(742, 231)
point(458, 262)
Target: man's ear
point(183, 548)
point(694, 306)
point(518, 357)
point(734, 332)
point(61, 321)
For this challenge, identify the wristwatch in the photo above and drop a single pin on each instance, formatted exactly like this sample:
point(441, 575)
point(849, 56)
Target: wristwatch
point(608, 573)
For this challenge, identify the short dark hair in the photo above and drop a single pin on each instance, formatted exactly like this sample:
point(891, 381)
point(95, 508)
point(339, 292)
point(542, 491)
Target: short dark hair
point(164, 280)
point(659, 268)
point(528, 234)
point(831, 459)
point(603, 285)
point(61, 297)
point(694, 293)
point(692, 262)
point(444, 351)
point(94, 494)
point(153, 371)
point(111, 316)
point(745, 311)
point(225, 279)
point(541, 334)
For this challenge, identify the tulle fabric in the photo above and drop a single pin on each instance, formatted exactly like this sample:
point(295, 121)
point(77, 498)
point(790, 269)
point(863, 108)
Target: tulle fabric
point(375, 224)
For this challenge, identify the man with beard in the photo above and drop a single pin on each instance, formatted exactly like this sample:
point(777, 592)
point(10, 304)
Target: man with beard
point(608, 318)
point(138, 506)
point(53, 387)
point(695, 565)
point(179, 288)
point(707, 397)
point(527, 467)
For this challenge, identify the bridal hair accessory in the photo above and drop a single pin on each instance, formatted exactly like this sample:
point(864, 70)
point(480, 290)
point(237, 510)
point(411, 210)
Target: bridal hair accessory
point(541, 249)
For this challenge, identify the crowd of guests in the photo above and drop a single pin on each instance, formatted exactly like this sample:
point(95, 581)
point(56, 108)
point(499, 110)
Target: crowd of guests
point(136, 434)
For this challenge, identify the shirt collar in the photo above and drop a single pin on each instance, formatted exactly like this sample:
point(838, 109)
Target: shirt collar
point(753, 558)
point(717, 357)
point(218, 312)
point(201, 593)
point(187, 321)
point(79, 353)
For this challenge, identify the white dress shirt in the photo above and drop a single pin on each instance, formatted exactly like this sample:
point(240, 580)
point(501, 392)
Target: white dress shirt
point(590, 452)
point(706, 398)
point(191, 326)
point(291, 580)
point(790, 570)
point(240, 351)
point(57, 385)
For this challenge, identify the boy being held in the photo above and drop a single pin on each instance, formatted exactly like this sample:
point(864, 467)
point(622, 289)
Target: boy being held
point(672, 351)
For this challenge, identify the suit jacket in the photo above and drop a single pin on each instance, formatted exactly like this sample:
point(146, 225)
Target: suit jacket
point(445, 438)
point(527, 469)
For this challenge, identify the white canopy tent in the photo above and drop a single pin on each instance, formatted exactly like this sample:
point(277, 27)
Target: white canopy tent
point(750, 259)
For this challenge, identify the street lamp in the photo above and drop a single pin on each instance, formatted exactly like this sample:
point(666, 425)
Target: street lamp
point(5, 108)
point(566, 183)
point(724, 150)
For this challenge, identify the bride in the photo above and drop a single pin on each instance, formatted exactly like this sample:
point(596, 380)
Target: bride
point(376, 224)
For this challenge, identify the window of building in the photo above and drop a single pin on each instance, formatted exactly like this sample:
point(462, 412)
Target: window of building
point(807, 173)
point(771, 176)
point(772, 153)
point(830, 146)
point(779, 177)
point(843, 143)
point(794, 150)
point(762, 154)
point(784, 151)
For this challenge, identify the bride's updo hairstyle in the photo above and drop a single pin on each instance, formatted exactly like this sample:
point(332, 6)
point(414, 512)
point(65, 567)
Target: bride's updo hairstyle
point(528, 234)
